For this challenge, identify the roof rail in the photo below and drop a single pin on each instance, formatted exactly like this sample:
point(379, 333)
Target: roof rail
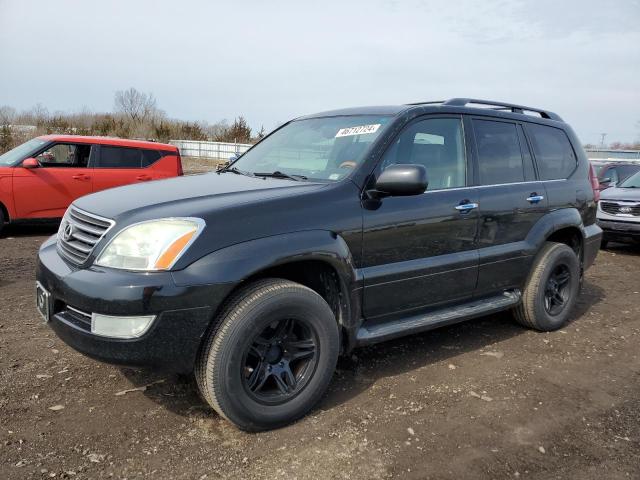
point(462, 102)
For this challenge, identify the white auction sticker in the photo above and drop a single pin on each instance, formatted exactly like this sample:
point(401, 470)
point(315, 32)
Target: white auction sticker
point(359, 130)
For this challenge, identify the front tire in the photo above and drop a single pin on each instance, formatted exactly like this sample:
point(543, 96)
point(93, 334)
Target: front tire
point(271, 355)
point(551, 290)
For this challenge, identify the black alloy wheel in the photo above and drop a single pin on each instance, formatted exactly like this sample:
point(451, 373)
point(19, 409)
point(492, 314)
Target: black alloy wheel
point(280, 361)
point(557, 290)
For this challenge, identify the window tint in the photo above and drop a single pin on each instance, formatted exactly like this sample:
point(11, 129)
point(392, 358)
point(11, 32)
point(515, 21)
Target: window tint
point(437, 144)
point(149, 157)
point(527, 159)
point(554, 156)
point(119, 157)
point(323, 148)
point(65, 155)
point(625, 171)
point(499, 155)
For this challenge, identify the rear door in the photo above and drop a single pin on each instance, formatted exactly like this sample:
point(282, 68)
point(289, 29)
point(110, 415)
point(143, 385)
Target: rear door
point(512, 200)
point(47, 191)
point(115, 166)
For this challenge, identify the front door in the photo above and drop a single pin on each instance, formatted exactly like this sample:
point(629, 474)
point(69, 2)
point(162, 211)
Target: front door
point(421, 251)
point(47, 191)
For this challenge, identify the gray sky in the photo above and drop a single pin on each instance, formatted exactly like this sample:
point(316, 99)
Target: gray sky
point(270, 61)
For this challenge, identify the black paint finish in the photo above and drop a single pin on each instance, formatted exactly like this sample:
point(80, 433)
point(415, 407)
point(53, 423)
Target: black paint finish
point(395, 257)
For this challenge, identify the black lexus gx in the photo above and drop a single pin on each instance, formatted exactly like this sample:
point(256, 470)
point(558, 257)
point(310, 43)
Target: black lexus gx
point(337, 230)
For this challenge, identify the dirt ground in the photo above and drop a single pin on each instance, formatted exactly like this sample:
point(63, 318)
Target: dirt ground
point(484, 399)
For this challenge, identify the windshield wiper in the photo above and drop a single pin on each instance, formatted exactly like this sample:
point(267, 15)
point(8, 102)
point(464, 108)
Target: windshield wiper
point(235, 170)
point(279, 174)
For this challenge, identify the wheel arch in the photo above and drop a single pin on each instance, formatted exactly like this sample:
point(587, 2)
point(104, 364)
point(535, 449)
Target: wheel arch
point(562, 226)
point(5, 212)
point(319, 260)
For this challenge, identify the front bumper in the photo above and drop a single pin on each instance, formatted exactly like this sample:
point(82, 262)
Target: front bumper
point(620, 229)
point(183, 313)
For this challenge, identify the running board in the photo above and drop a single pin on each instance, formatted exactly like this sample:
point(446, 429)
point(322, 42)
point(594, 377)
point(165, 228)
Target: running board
point(447, 316)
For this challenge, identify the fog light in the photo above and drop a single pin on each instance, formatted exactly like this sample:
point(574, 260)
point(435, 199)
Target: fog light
point(120, 327)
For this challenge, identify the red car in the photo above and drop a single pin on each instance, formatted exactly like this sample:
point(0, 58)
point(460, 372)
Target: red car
point(40, 178)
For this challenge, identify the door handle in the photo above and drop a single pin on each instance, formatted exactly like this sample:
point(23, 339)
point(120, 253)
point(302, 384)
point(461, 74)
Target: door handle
point(143, 178)
point(81, 177)
point(466, 206)
point(535, 198)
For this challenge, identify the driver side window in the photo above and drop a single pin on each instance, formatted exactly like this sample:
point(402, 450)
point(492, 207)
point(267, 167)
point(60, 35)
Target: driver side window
point(438, 145)
point(65, 155)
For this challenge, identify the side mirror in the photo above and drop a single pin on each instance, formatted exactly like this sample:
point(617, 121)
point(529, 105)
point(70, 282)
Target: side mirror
point(30, 163)
point(401, 181)
point(234, 157)
point(606, 180)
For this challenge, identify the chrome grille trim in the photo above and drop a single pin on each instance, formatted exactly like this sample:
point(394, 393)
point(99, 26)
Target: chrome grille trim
point(614, 208)
point(79, 312)
point(87, 230)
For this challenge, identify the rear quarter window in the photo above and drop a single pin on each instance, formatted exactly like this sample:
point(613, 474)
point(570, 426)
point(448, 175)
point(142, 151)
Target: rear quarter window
point(553, 151)
point(149, 157)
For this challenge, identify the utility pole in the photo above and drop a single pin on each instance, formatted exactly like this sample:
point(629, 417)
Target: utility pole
point(602, 135)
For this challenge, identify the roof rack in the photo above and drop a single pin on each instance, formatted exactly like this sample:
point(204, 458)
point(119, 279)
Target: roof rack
point(462, 102)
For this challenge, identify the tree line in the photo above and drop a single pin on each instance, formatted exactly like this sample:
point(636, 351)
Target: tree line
point(135, 115)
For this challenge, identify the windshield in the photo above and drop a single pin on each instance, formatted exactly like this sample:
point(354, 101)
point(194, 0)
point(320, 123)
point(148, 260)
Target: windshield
point(631, 182)
point(327, 148)
point(21, 152)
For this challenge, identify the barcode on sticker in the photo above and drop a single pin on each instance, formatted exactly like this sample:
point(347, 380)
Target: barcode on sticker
point(359, 130)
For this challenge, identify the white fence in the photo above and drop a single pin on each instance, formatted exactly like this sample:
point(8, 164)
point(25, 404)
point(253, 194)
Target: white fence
point(217, 150)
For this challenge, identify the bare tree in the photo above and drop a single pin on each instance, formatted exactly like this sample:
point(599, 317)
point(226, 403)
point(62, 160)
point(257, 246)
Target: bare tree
point(137, 106)
point(7, 115)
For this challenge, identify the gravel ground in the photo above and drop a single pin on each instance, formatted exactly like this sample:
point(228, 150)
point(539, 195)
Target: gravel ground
point(484, 399)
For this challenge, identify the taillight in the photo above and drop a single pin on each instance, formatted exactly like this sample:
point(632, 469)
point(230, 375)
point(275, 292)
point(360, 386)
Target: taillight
point(180, 173)
point(595, 184)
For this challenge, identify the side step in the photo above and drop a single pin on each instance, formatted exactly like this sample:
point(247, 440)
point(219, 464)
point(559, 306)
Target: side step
point(428, 321)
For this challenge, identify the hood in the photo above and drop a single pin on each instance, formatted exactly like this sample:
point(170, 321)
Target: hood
point(624, 194)
point(189, 195)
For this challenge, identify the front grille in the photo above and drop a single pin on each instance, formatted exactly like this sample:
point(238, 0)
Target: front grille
point(79, 233)
point(615, 208)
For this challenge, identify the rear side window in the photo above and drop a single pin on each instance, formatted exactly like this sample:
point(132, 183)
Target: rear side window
point(499, 155)
point(122, 157)
point(554, 155)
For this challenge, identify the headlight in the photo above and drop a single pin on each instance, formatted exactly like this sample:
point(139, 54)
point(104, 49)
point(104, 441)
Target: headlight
point(151, 245)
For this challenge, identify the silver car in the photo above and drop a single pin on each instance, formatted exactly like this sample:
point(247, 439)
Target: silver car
point(619, 211)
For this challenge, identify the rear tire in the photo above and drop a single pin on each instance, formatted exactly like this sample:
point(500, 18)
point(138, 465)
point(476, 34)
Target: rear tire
point(551, 290)
point(1, 221)
point(270, 356)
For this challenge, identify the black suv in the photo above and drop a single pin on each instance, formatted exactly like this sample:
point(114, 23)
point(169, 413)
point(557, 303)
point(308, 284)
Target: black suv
point(337, 230)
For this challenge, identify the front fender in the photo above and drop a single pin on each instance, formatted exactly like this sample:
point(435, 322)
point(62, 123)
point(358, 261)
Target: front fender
point(6, 192)
point(238, 262)
point(230, 266)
